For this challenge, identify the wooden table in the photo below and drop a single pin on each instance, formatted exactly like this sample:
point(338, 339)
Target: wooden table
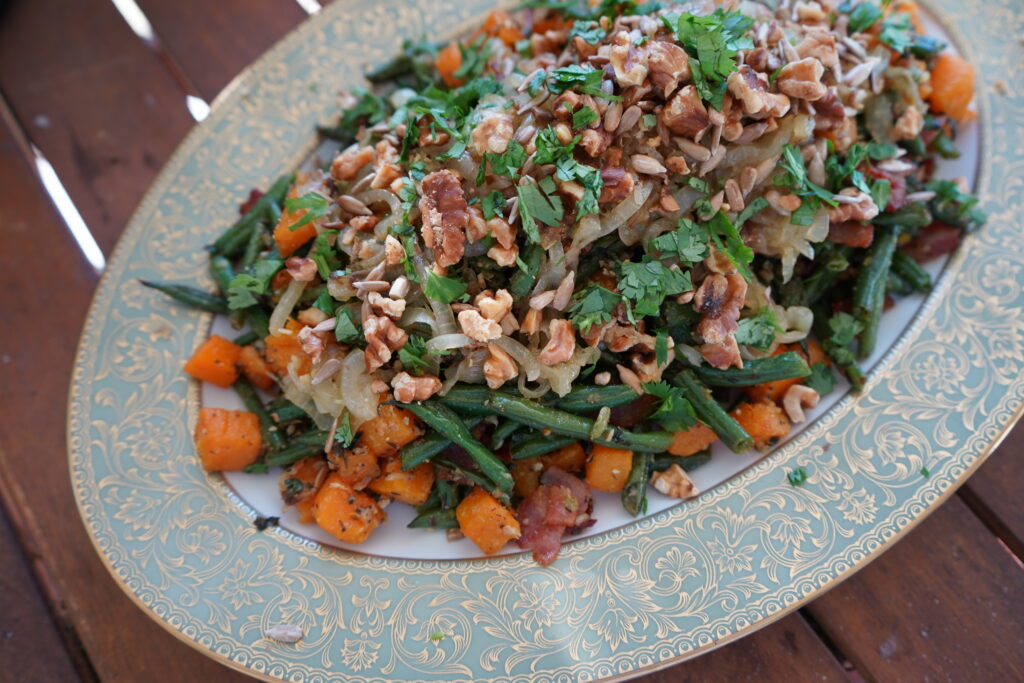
point(106, 108)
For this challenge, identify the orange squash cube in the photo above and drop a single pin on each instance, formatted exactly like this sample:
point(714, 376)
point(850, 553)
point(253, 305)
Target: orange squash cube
point(608, 468)
point(412, 487)
point(215, 361)
point(486, 522)
point(227, 440)
point(347, 514)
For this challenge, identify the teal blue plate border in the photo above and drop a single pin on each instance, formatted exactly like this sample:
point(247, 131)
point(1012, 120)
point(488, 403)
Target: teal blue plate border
point(634, 599)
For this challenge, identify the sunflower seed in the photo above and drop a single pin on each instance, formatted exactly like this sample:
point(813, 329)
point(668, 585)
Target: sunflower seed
point(612, 117)
point(630, 117)
point(353, 205)
point(733, 194)
point(647, 165)
point(692, 149)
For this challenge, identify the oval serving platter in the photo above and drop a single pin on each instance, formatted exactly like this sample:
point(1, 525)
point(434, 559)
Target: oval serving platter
point(637, 597)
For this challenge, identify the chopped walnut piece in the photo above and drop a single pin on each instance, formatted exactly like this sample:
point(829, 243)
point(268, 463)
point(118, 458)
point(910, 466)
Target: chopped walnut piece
point(347, 164)
point(445, 216)
point(477, 327)
point(669, 66)
point(802, 79)
point(908, 125)
point(863, 210)
point(493, 132)
point(394, 252)
point(392, 308)
point(829, 111)
point(547, 42)
point(531, 321)
point(797, 398)
point(594, 141)
point(382, 337)
point(565, 104)
point(502, 256)
point(750, 88)
point(628, 60)
point(476, 229)
point(385, 175)
point(363, 223)
point(674, 483)
point(312, 344)
point(561, 344)
point(719, 300)
point(685, 114)
point(494, 307)
point(311, 316)
point(408, 388)
point(820, 44)
point(501, 231)
point(621, 338)
point(499, 367)
point(301, 268)
point(618, 184)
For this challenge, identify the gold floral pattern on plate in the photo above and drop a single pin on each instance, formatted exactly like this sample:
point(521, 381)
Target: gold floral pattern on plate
point(666, 587)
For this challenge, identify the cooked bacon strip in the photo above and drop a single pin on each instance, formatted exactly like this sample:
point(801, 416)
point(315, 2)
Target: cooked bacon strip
point(561, 503)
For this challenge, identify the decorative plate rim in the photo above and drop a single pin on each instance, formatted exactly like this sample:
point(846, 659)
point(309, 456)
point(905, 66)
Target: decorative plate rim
point(965, 452)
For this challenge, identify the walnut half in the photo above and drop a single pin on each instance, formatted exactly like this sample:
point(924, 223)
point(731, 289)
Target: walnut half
point(674, 483)
point(408, 388)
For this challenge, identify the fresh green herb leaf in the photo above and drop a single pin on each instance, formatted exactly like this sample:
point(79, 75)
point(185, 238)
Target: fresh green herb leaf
point(343, 435)
point(325, 302)
point(714, 40)
point(293, 486)
point(864, 16)
point(584, 78)
point(589, 31)
point(698, 184)
point(925, 472)
point(661, 347)
point(738, 253)
point(584, 117)
point(369, 109)
point(413, 355)
point(674, 412)
point(314, 204)
point(506, 164)
point(797, 477)
point(758, 331)
point(323, 254)
point(493, 205)
point(758, 204)
point(646, 285)
point(954, 206)
point(821, 379)
point(539, 202)
point(592, 306)
point(441, 288)
point(688, 242)
point(243, 286)
point(345, 329)
point(474, 58)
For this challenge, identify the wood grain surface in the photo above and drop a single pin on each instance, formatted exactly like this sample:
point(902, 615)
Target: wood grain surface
point(107, 109)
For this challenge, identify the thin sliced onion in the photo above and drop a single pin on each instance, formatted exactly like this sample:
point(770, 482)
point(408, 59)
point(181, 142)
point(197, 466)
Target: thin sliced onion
point(560, 377)
point(626, 209)
point(284, 307)
point(417, 315)
point(542, 388)
point(526, 359)
point(445, 342)
point(792, 129)
point(355, 388)
point(552, 270)
point(587, 231)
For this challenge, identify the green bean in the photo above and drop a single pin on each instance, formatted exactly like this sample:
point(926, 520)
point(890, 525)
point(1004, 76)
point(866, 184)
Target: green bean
point(502, 432)
point(687, 462)
point(292, 454)
point(908, 216)
point(272, 436)
point(423, 449)
point(590, 399)
point(222, 273)
point(252, 250)
point(191, 296)
point(911, 271)
point(473, 478)
point(246, 338)
point(258, 320)
point(540, 445)
point(541, 417)
point(522, 282)
point(235, 237)
point(634, 493)
point(894, 284)
point(442, 419)
point(757, 371)
point(284, 410)
point(435, 519)
point(447, 494)
point(712, 414)
point(869, 294)
point(468, 400)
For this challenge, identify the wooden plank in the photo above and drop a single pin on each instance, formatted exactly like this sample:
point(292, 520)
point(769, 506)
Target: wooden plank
point(994, 492)
point(30, 645)
point(783, 652)
point(46, 291)
point(212, 41)
point(943, 604)
point(100, 105)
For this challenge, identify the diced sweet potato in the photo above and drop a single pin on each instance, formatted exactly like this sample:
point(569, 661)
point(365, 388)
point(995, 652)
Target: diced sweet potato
point(526, 474)
point(288, 239)
point(448, 61)
point(412, 487)
point(393, 428)
point(301, 480)
point(227, 440)
point(305, 509)
point(356, 466)
point(486, 522)
point(255, 369)
point(284, 346)
point(345, 513)
point(952, 84)
point(569, 458)
point(215, 361)
point(764, 420)
point(692, 440)
point(608, 468)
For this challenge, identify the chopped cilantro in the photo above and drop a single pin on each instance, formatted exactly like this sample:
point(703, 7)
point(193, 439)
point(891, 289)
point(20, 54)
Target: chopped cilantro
point(649, 121)
point(584, 117)
point(589, 31)
point(314, 204)
point(325, 302)
point(539, 202)
point(244, 285)
point(864, 16)
point(714, 41)
point(797, 477)
point(897, 33)
point(505, 164)
point(661, 347)
point(493, 205)
point(436, 637)
point(674, 411)
point(343, 435)
point(323, 254)
point(584, 78)
point(821, 379)
point(442, 288)
point(698, 184)
point(688, 242)
point(843, 329)
point(369, 108)
point(551, 151)
point(738, 253)
point(750, 209)
point(954, 206)
point(647, 284)
point(474, 58)
point(412, 354)
point(593, 306)
point(345, 329)
point(758, 331)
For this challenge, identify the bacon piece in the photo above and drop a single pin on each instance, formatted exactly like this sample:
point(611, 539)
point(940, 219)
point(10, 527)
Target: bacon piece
point(933, 241)
point(898, 183)
point(445, 216)
point(851, 233)
point(561, 503)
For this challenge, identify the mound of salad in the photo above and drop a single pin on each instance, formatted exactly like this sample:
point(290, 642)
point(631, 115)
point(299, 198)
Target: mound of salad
point(569, 252)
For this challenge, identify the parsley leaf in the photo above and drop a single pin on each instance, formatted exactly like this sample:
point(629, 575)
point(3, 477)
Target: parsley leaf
point(661, 347)
point(647, 284)
point(738, 253)
point(474, 58)
point(897, 33)
point(954, 206)
point(538, 202)
point(551, 151)
point(674, 411)
point(493, 205)
point(343, 435)
point(505, 164)
point(925, 472)
point(345, 329)
point(714, 40)
point(797, 477)
point(864, 16)
point(314, 204)
point(821, 379)
point(593, 306)
point(244, 285)
point(584, 117)
point(758, 331)
point(688, 242)
point(587, 30)
point(369, 108)
point(325, 302)
point(323, 254)
point(843, 329)
point(584, 78)
point(442, 288)
point(412, 354)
